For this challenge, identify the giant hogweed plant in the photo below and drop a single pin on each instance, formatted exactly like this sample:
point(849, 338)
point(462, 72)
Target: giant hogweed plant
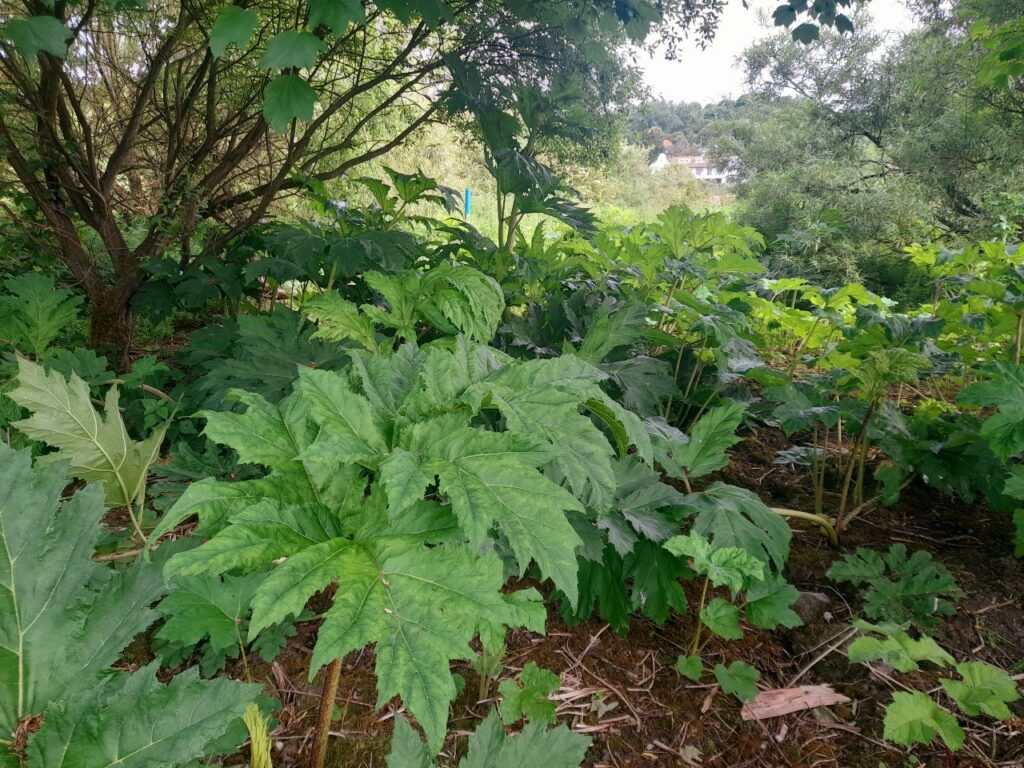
point(415, 481)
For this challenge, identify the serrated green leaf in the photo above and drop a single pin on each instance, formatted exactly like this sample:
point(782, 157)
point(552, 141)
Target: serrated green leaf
point(287, 98)
point(768, 603)
point(690, 666)
point(735, 517)
point(340, 320)
point(489, 747)
point(914, 718)
point(351, 430)
point(234, 26)
point(36, 311)
point(529, 695)
point(132, 721)
point(739, 679)
point(896, 648)
point(491, 478)
point(96, 447)
point(710, 438)
point(336, 14)
point(722, 618)
point(36, 34)
point(725, 567)
point(292, 49)
point(64, 619)
point(983, 688)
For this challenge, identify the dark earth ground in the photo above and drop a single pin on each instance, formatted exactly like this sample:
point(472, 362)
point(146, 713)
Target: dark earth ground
point(626, 694)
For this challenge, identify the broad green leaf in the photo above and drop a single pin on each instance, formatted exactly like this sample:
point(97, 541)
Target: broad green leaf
point(287, 98)
point(37, 312)
point(96, 447)
point(490, 478)
point(735, 517)
point(739, 679)
point(722, 618)
point(340, 320)
point(725, 567)
point(896, 648)
point(234, 26)
point(292, 49)
point(272, 435)
point(983, 688)
point(351, 431)
point(132, 721)
point(36, 34)
point(65, 619)
point(710, 438)
point(914, 718)
point(336, 14)
point(489, 747)
point(690, 666)
point(768, 603)
point(528, 695)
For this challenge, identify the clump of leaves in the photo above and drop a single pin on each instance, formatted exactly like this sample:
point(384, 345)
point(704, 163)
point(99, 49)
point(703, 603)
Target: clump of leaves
point(64, 620)
point(528, 695)
point(898, 588)
point(212, 613)
point(917, 718)
point(34, 312)
point(382, 478)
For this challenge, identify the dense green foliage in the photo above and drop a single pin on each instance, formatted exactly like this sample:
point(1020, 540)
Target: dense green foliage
point(369, 425)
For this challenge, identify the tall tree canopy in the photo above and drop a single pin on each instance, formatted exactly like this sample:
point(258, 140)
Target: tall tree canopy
point(142, 129)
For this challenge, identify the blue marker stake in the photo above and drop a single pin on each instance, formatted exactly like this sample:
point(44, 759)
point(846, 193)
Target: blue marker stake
point(468, 207)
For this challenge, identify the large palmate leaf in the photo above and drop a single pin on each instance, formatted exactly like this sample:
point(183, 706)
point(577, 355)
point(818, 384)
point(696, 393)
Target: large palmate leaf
point(95, 446)
point(704, 451)
point(421, 605)
point(735, 517)
point(64, 619)
point(132, 721)
point(489, 747)
point(983, 688)
point(491, 478)
point(452, 299)
point(915, 718)
point(35, 311)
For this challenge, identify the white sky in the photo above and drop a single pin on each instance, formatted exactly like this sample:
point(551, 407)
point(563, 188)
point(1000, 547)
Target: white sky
point(712, 74)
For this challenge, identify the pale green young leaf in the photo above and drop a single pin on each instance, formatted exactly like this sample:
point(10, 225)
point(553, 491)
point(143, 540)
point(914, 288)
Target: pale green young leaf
point(722, 618)
point(287, 98)
point(710, 438)
point(97, 447)
point(340, 320)
point(983, 688)
point(915, 718)
point(528, 696)
point(896, 648)
point(234, 26)
point(739, 679)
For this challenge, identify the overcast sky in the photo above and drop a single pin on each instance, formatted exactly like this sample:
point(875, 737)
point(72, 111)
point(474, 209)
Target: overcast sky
point(712, 74)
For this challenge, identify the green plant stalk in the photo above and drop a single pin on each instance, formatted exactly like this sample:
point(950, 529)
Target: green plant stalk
point(1018, 341)
point(695, 647)
point(821, 520)
point(861, 437)
point(321, 732)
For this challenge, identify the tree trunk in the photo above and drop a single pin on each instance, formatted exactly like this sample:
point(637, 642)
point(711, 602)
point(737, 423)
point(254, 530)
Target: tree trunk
point(112, 326)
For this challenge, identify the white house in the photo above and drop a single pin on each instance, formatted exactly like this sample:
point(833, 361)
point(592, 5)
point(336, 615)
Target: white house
point(705, 170)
